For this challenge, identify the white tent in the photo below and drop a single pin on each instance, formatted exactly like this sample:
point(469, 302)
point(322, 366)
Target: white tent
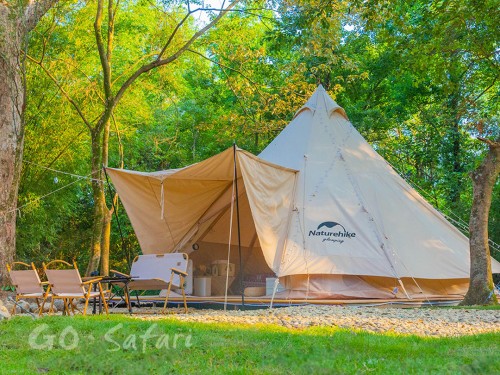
point(345, 226)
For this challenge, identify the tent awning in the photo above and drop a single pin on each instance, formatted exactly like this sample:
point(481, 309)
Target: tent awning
point(169, 208)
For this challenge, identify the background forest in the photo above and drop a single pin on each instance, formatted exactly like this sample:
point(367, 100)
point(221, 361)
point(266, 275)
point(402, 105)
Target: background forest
point(418, 79)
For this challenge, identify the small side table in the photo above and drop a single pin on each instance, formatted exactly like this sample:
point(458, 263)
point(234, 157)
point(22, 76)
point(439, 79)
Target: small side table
point(120, 282)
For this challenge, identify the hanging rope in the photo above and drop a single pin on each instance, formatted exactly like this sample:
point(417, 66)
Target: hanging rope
point(5, 213)
point(63, 172)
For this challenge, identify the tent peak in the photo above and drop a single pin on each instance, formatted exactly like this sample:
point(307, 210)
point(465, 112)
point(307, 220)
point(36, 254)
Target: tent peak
point(320, 96)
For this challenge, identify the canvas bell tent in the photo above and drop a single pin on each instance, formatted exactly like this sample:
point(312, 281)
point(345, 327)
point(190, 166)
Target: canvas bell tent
point(319, 209)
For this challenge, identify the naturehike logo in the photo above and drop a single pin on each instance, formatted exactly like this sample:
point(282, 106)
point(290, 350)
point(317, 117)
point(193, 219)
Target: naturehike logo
point(334, 236)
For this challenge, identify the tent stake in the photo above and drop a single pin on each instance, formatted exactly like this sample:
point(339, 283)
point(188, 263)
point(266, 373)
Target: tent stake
point(238, 223)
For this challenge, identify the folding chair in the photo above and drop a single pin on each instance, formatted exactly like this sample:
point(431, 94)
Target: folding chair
point(27, 284)
point(66, 284)
point(158, 272)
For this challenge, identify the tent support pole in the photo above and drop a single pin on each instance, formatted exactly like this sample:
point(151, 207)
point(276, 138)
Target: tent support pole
point(238, 223)
point(116, 215)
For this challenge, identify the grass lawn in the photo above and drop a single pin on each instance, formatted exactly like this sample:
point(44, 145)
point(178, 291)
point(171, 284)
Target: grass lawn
point(116, 345)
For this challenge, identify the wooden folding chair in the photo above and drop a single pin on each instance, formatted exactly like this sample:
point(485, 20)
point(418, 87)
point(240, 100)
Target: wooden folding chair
point(66, 284)
point(27, 284)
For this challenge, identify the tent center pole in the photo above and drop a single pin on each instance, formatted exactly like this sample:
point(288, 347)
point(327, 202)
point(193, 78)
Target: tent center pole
point(127, 252)
point(238, 226)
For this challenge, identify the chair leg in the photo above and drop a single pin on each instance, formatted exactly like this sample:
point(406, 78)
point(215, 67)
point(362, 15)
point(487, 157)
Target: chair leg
point(183, 295)
point(168, 292)
point(104, 303)
point(166, 299)
point(40, 312)
point(67, 302)
point(38, 304)
point(86, 302)
point(51, 308)
point(14, 307)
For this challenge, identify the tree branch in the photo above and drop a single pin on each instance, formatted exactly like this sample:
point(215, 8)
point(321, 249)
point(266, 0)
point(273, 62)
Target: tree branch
point(173, 57)
point(490, 143)
point(61, 89)
point(35, 11)
point(171, 37)
point(103, 56)
point(226, 67)
point(487, 88)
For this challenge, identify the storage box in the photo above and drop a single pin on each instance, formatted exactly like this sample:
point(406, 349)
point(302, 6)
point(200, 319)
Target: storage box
point(220, 268)
point(203, 286)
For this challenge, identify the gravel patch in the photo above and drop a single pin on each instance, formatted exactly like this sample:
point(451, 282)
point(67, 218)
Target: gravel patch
point(440, 322)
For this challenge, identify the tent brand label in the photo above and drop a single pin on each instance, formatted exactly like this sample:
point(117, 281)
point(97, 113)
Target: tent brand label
point(332, 235)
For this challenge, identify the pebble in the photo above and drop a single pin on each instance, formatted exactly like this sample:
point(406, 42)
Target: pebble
point(434, 322)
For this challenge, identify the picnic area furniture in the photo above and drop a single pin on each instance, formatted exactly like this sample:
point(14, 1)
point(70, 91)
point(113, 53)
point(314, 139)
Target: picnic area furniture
point(27, 284)
point(158, 272)
point(116, 284)
point(66, 284)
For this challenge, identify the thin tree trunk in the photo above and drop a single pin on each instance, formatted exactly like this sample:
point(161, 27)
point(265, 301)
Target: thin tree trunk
point(108, 214)
point(105, 241)
point(483, 178)
point(99, 205)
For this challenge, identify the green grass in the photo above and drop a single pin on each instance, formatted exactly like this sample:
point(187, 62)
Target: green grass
point(231, 349)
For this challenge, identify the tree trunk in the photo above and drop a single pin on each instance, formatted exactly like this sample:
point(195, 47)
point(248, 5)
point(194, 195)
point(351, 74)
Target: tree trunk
point(108, 214)
point(483, 179)
point(11, 151)
point(99, 205)
point(16, 21)
point(12, 97)
point(105, 241)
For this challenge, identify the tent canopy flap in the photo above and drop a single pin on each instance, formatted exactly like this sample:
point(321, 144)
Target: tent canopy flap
point(197, 202)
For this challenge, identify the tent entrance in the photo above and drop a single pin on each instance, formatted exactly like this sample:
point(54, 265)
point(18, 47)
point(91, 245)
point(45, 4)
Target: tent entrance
point(209, 249)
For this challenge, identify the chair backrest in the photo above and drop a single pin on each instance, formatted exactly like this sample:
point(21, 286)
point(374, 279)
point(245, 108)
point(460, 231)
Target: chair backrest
point(158, 266)
point(65, 280)
point(25, 281)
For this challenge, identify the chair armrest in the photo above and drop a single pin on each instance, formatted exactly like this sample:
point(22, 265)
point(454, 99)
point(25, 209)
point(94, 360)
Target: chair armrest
point(119, 273)
point(92, 281)
point(178, 272)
